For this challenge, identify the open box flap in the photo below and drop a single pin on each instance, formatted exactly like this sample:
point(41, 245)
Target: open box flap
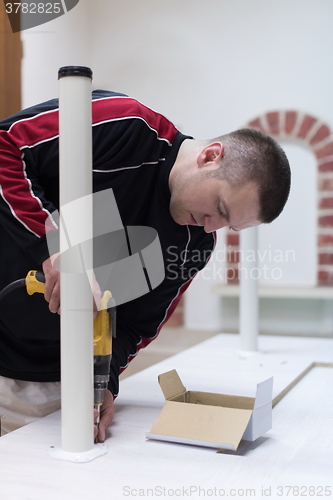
point(193, 423)
point(171, 384)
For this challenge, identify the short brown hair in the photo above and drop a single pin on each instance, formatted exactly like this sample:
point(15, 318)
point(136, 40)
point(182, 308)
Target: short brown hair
point(251, 156)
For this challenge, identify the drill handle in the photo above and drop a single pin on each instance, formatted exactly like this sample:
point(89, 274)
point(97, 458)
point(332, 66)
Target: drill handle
point(35, 282)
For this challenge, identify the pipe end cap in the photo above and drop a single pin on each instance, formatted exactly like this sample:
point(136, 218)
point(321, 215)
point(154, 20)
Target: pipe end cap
point(75, 71)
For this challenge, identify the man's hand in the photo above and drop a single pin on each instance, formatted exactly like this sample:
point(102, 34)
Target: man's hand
point(52, 286)
point(107, 412)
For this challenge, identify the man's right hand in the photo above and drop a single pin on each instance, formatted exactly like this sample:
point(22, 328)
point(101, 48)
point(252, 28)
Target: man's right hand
point(52, 286)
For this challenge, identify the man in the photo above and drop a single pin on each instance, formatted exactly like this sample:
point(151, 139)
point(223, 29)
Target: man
point(184, 188)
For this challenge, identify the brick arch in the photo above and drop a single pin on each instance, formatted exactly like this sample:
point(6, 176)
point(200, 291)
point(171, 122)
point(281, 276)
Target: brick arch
point(316, 135)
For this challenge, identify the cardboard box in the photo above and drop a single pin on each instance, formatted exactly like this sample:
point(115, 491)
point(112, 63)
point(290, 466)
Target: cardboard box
point(208, 419)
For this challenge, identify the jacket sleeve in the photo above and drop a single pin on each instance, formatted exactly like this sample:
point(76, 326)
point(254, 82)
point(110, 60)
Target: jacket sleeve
point(24, 207)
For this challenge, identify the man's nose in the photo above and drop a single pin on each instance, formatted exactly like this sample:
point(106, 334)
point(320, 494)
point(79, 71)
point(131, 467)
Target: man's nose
point(214, 223)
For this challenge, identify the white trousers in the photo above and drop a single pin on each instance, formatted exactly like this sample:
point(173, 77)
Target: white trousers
point(24, 402)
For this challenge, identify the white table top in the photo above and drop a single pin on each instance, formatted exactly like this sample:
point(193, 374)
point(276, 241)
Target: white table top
point(297, 451)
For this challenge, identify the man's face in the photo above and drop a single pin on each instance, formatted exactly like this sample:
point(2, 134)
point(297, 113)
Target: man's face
point(199, 199)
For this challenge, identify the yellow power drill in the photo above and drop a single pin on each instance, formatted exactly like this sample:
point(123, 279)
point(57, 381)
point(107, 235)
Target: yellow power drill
point(104, 330)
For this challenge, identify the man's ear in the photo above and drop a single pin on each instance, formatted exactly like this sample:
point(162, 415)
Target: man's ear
point(211, 155)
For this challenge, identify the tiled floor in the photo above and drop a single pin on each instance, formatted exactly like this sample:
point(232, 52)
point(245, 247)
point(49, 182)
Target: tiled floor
point(170, 341)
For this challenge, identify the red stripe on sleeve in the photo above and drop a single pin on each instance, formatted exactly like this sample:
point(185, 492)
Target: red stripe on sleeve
point(45, 126)
point(117, 108)
point(32, 131)
point(16, 188)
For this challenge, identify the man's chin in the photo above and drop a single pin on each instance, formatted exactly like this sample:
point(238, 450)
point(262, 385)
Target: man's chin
point(178, 218)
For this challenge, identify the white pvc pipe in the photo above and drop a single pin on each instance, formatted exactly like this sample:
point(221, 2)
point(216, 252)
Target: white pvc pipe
point(249, 306)
point(75, 150)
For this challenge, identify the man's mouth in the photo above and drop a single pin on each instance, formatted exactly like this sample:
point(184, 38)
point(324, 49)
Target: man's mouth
point(194, 222)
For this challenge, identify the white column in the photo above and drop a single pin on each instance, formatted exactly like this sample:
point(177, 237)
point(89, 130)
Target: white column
point(248, 306)
point(75, 150)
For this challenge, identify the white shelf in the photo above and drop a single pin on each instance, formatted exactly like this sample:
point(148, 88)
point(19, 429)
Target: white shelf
point(318, 292)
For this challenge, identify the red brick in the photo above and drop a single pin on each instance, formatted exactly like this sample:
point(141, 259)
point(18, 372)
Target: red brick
point(290, 121)
point(321, 134)
point(325, 240)
point(325, 221)
point(273, 122)
point(325, 258)
point(325, 277)
point(306, 124)
point(326, 203)
point(326, 167)
point(257, 125)
point(233, 256)
point(325, 151)
point(232, 274)
point(325, 184)
point(232, 239)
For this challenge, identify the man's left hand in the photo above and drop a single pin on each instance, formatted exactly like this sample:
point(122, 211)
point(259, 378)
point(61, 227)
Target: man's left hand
point(107, 412)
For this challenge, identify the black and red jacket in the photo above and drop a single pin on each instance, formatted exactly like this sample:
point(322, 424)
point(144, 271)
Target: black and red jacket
point(134, 149)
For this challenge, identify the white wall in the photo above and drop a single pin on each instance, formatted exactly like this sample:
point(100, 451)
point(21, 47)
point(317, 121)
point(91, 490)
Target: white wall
point(64, 41)
point(210, 67)
point(291, 260)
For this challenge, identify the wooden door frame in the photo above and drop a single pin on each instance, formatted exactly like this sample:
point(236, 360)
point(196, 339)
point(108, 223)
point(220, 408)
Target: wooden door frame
point(10, 67)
